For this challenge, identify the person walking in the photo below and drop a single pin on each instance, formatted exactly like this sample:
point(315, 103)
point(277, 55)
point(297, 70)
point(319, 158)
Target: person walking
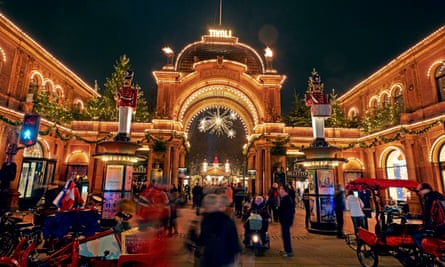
point(355, 205)
point(218, 237)
point(197, 192)
point(239, 196)
point(307, 208)
point(274, 201)
point(339, 206)
point(286, 212)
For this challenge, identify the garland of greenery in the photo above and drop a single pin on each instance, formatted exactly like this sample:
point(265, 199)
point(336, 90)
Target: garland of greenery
point(160, 145)
point(397, 136)
point(278, 145)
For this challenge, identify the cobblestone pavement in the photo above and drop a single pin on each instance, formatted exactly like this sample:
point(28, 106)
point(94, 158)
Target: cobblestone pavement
point(309, 249)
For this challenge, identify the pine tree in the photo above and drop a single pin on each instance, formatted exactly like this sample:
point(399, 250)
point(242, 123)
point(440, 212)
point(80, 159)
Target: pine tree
point(52, 110)
point(105, 106)
point(338, 118)
point(142, 114)
point(300, 116)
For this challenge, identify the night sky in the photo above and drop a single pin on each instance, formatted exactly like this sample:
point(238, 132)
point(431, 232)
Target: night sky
point(345, 40)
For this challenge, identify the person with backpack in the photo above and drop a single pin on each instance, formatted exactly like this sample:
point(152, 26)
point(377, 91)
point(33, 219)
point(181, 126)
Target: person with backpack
point(433, 213)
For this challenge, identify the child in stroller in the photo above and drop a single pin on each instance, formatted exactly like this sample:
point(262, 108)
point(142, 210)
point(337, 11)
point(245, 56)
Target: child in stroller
point(258, 221)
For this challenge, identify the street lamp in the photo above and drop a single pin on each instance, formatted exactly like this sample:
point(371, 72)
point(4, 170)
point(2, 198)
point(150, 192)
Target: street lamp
point(169, 53)
point(268, 54)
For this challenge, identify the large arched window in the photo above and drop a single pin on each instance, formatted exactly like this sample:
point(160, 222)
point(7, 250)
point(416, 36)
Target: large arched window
point(440, 81)
point(396, 169)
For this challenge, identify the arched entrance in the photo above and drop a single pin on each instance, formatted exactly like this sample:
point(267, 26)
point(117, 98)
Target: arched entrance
point(218, 72)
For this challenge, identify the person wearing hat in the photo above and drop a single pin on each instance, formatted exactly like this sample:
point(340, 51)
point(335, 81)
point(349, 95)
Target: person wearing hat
point(433, 213)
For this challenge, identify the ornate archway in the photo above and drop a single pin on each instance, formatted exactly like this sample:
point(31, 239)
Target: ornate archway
point(218, 72)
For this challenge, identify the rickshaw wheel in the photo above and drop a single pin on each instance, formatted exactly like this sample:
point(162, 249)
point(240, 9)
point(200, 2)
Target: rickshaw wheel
point(367, 255)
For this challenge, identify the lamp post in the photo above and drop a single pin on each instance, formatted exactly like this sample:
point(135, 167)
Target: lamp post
point(169, 53)
point(268, 54)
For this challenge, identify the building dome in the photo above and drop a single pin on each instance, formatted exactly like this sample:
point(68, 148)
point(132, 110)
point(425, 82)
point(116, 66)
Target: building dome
point(219, 44)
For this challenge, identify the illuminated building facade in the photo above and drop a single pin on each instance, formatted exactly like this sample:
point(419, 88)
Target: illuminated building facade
point(220, 72)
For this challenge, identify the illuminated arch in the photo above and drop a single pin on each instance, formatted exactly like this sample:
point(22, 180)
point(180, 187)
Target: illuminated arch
point(384, 155)
point(434, 66)
point(38, 77)
point(385, 98)
point(218, 94)
point(373, 103)
point(353, 164)
point(48, 85)
point(434, 154)
point(353, 113)
point(79, 102)
point(77, 157)
point(58, 90)
point(395, 90)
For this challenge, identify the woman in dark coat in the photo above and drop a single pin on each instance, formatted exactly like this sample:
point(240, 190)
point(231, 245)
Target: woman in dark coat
point(219, 237)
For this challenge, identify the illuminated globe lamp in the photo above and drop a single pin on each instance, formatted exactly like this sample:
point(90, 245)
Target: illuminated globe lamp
point(320, 162)
point(119, 156)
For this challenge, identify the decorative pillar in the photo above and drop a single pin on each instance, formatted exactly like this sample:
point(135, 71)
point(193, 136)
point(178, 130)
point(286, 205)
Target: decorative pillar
point(119, 155)
point(320, 162)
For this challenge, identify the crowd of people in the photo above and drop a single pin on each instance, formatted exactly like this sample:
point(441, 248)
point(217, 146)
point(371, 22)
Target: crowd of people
point(213, 235)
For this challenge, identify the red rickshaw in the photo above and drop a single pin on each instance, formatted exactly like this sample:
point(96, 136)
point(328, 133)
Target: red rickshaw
point(393, 231)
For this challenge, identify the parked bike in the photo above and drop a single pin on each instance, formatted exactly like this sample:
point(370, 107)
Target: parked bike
point(14, 229)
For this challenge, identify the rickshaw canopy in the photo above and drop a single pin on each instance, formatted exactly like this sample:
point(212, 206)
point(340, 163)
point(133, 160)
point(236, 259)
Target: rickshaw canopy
point(378, 184)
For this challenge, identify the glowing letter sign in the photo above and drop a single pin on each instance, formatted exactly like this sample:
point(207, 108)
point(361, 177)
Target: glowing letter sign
point(220, 33)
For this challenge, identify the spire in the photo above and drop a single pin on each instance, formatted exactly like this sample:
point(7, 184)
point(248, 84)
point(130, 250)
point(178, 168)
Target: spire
point(220, 13)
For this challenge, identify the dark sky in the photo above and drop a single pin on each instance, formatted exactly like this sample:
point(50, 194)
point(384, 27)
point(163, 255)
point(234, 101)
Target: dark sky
point(345, 40)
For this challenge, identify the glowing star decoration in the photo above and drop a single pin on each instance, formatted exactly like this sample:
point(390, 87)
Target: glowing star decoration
point(218, 123)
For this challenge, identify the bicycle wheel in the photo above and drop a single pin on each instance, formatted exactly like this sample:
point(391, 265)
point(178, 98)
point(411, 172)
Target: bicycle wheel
point(7, 244)
point(367, 255)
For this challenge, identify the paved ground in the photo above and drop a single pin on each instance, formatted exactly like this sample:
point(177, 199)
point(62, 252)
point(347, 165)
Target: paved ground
point(309, 249)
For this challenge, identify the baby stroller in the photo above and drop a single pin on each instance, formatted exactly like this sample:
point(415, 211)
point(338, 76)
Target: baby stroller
point(256, 235)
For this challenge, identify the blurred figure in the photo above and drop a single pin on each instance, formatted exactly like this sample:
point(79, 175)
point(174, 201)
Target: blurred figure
point(339, 207)
point(274, 201)
point(286, 213)
point(153, 208)
point(187, 193)
point(197, 192)
point(291, 191)
point(238, 198)
point(218, 238)
point(172, 224)
point(433, 213)
point(125, 213)
point(307, 208)
point(138, 187)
